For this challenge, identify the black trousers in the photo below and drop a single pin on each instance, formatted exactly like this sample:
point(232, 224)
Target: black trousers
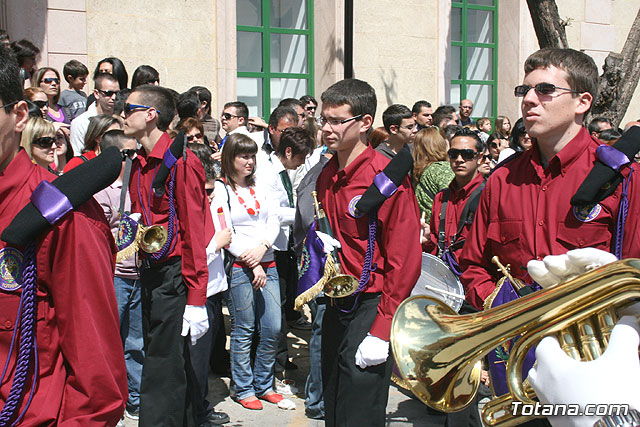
point(352, 396)
point(468, 417)
point(167, 387)
point(288, 276)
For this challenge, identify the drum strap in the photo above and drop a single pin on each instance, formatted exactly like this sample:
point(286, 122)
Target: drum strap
point(468, 213)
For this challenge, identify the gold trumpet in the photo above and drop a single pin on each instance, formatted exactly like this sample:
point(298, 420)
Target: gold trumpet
point(132, 236)
point(152, 238)
point(340, 285)
point(438, 352)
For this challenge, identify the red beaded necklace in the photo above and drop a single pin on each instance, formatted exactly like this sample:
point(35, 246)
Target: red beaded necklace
point(250, 211)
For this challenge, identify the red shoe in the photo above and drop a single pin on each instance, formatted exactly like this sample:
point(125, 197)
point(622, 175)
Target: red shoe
point(272, 398)
point(254, 405)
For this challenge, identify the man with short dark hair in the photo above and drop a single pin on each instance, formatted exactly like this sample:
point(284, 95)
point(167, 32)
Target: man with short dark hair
point(598, 124)
point(466, 108)
point(296, 106)
point(106, 88)
point(423, 113)
point(174, 279)
point(310, 106)
point(234, 119)
point(355, 329)
point(400, 123)
point(77, 354)
point(444, 116)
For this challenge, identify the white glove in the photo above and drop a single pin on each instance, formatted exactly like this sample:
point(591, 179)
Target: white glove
point(554, 269)
point(136, 216)
point(329, 242)
point(196, 320)
point(372, 351)
point(612, 378)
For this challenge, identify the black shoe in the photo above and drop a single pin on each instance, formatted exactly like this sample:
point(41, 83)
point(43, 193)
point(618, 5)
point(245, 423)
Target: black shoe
point(215, 418)
point(314, 415)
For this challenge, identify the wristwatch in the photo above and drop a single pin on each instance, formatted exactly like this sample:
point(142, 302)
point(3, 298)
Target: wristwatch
point(631, 419)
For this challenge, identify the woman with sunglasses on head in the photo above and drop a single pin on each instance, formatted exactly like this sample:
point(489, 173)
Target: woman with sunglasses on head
point(98, 125)
point(39, 141)
point(48, 79)
point(39, 98)
point(254, 294)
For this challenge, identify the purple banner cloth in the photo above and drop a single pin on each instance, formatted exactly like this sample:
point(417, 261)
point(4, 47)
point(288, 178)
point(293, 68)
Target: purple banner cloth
point(498, 356)
point(612, 157)
point(169, 159)
point(311, 267)
point(385, 185)
point(50, 201)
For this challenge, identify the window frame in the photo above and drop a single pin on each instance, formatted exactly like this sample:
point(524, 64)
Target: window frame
point(463, 82)
point(266, 75)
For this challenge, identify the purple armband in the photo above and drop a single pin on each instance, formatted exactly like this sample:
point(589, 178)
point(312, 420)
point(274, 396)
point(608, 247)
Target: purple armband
point(385, 185)
point(612, 157)
point(50, 201)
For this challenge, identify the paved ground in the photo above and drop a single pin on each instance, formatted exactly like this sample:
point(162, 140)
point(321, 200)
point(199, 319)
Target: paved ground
point(402, 409)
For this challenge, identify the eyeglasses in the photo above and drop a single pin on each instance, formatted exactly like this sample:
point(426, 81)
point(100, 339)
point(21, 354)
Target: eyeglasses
point(45, 142)
point(486, 157)
point(541, 89)
point(50, 80)
point(10, 104)
point(194, 137)
point(493, 145)
point(227, 116)
point(108, 93)
point(41, 104)
point(466, 153)
point(466, 107)
point(130, 108)
point(310, 108)
point(338, 122)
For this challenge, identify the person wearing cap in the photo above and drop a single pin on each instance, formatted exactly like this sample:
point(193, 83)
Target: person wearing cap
point(81, 376)
point(356, 370)
point(174, 279)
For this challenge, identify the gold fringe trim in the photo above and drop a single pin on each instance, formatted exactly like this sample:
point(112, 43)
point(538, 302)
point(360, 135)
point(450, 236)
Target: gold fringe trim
point(312, 292)
point(489, 300)
point(131, 249)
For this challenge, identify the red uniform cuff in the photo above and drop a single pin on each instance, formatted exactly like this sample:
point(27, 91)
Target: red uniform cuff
point(381, 328)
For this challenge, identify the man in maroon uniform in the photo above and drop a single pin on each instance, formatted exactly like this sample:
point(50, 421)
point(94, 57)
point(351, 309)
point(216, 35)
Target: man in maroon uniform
point(355, 343)
point(81, 377)
point(174, 280)
point(465, 157)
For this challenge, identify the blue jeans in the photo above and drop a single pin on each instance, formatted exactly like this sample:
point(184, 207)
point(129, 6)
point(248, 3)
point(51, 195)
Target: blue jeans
point(130, 312)
point(248, 307)
point(314, 401)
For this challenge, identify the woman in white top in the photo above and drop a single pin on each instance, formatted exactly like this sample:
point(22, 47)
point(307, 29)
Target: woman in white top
point(254, 293)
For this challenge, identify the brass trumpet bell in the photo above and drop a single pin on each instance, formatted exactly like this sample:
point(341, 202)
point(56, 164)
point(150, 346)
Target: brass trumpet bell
point(437, 351)
point(153, 238)
point(340, 286)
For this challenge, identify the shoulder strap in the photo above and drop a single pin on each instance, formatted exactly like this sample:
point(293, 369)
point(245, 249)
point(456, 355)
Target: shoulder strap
point(443, 217)
point(426, 190)
point(469, 209)
point(83, 158)
point(228, 200)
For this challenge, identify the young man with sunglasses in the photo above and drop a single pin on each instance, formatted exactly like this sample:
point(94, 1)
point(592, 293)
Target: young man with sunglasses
point(106, 87)
point(81, 377)
point(355, 332)
point(234, 119)
point(525, 212)
point(174, 280)
point(465, 158)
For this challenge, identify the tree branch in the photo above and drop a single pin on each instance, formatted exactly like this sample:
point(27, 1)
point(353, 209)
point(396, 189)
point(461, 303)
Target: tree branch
point(547, 23)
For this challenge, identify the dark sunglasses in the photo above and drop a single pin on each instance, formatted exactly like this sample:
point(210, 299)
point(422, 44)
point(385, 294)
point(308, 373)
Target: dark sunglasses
point(44, 142)
point(227, 116)
point(50, 80)
point(310, 108)
point(130, 108)
point(108, 93)
point(209, 191)
point(194, 137)
point(541, 89)
point(493, 145)
point(41, 104)
point(486, 157)
point(466, 153)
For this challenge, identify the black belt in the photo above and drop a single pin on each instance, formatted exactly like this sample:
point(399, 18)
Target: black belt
point(347, 301)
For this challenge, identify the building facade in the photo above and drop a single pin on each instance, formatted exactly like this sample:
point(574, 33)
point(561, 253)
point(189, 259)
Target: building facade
point(260, 51)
